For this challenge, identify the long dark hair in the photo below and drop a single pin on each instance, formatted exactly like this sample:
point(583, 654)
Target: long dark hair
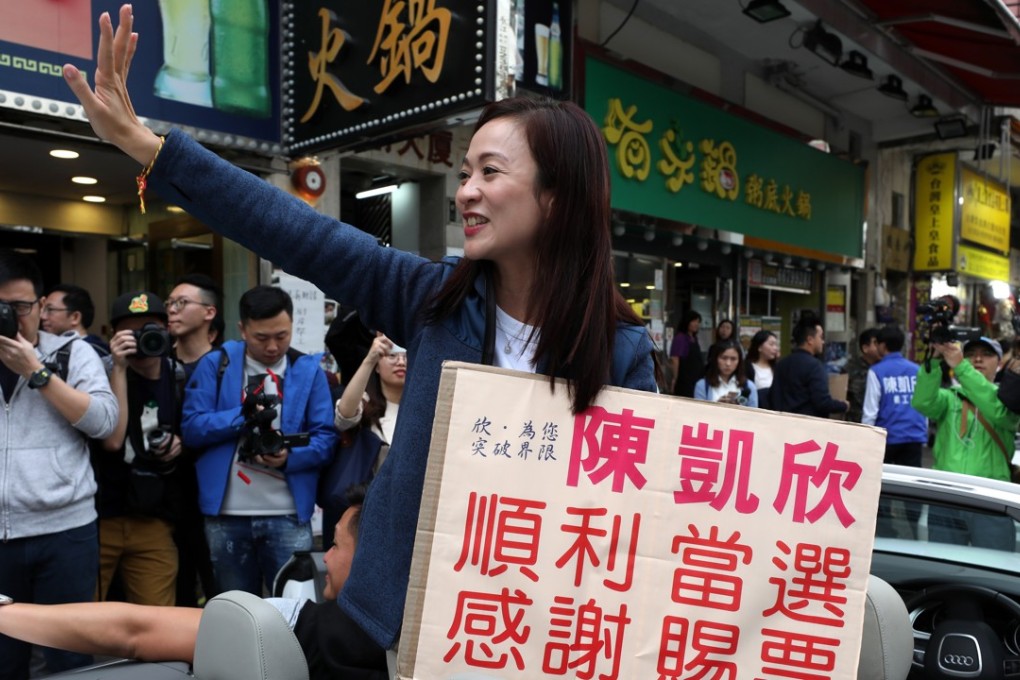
point(754, 351)
point(375, 406)
point(712, 377)
point(577, 306)
point(683, 327)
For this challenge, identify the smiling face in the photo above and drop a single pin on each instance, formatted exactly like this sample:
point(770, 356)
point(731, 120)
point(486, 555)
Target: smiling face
point(392, 370)
point(498, 196)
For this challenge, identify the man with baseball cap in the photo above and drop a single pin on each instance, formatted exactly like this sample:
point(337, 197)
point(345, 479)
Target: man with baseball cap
point(137, 498)
point(975, 434)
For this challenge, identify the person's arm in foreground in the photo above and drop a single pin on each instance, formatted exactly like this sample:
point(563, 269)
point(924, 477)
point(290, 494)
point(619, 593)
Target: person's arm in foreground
point(929, 399)
point(118, 629)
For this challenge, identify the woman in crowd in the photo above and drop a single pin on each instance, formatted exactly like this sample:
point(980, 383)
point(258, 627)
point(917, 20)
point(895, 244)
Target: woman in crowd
point(724, 379)
point(685, 359)
point(372, 397)
point(761, 359)
point(724, 331)
point(534, 198)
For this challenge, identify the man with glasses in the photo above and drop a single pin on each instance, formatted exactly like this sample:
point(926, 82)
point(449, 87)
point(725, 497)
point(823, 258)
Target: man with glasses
point(49, 551)
point(69, 308)
point(974, 437)
point(192, 308)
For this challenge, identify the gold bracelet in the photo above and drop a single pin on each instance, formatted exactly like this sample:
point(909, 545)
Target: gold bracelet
point(142, 179)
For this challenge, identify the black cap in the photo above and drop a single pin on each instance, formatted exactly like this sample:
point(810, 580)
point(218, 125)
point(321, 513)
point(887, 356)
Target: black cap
point(138, 303)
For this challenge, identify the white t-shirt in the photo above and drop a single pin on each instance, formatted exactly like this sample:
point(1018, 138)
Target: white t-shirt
point(762, 376)
point(513, 348)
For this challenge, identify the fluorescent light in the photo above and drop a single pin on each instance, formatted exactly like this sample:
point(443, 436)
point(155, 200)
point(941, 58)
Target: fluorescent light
point(63, 153)
point(764, 11)
point(174, 209)
point(377, 191)
point(84, 180)
point(94, 199)
point(624, 284)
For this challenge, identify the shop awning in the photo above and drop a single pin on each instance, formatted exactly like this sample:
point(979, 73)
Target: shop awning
point(977, 41)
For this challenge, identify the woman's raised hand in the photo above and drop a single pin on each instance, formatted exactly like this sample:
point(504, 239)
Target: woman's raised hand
point(381, 347)
point(108, 106)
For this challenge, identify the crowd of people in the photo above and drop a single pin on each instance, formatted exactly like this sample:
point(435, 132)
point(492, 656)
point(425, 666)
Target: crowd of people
point(234, 443)
point(150, 469)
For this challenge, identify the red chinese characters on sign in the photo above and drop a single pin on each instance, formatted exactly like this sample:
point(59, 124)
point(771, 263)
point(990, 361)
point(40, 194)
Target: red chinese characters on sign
point(584, 639)
point(797, 655)
point(707, 575)
point(815, 591)
point(715, 467)
point(829, 475)
point(488, 628)
point(501, 532)
point(709, 644)
point(583, 550)
point(609, 445)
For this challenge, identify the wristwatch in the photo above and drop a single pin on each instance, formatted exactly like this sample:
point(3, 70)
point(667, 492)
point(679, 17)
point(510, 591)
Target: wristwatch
point(40, 378)
point(4, 599)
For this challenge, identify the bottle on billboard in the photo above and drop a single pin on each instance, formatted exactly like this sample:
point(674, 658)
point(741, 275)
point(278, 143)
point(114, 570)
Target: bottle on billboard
point(519, 32)
point(555, 50)
point(184, 76)
point(542, 54)
point(240, 57)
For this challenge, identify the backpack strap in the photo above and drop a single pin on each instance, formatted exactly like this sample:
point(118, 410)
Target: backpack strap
point(220, 370)
point(968, 406)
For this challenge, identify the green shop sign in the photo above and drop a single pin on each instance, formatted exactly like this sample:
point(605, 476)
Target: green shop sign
point(680, 159)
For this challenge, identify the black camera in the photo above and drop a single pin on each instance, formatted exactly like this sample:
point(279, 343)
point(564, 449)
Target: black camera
point(258, 437)
point(938, 314)
point(157, 443)
point(152, 340)
point(8, 321)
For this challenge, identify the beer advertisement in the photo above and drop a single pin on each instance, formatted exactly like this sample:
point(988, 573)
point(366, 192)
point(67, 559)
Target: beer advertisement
point(209, 64)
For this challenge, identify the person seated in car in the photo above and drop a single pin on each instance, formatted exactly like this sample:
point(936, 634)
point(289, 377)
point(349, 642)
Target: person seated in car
point(333, 645)
point(974, 436)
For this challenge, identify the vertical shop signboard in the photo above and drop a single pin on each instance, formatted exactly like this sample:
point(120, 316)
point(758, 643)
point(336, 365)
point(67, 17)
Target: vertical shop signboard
point(984, 212)
point(934, 212)
point(364, 70)
point(645, 537)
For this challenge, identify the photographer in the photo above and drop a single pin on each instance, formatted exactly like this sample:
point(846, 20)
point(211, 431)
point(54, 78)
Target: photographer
point(137, 498)
point(973, 431)
point(257, 492)
point(48, 546)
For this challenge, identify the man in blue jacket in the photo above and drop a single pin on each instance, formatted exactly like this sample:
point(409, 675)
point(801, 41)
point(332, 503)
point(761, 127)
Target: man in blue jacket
point(256, 492)
point(890, 388)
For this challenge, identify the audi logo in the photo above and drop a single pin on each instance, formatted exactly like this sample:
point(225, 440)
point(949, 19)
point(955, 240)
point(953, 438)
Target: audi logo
point(959, 660)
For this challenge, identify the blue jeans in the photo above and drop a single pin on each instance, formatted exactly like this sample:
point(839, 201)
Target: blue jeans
point(247, 552)
point(48, 569)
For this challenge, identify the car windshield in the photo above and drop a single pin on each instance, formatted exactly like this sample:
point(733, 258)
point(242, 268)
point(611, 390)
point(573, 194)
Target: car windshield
point(947, 531)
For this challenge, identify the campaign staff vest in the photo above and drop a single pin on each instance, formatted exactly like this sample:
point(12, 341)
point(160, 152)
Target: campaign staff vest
point(896, 377)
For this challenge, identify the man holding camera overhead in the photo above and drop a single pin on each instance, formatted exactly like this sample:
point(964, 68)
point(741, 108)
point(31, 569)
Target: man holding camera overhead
point(261, 415)
point(48, 546)
point(138, 497)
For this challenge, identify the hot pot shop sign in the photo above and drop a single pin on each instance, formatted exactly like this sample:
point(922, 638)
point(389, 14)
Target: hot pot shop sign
point(648, 537)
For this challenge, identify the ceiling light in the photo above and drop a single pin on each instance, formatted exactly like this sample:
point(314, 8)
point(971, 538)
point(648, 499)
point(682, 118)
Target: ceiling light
point(856, 64)
point(764, 11)
point(951, 127)
point(377, 191)
point(678, 240)
point(619, 230)
point(94, 199)
point(678, 264)
point(64, 153)
point(892, 86)
point(826, 45)
point(84, 180)
point(649, 235)
point(725, 249)
point(702, 245)
point(174, 209)
point(924, 108)
point(624, 284)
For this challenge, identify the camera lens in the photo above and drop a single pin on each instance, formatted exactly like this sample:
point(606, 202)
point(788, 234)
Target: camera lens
point(153, 340)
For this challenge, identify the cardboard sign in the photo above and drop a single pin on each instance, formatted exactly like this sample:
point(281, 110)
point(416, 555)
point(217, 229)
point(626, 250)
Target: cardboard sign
point(649, 536)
